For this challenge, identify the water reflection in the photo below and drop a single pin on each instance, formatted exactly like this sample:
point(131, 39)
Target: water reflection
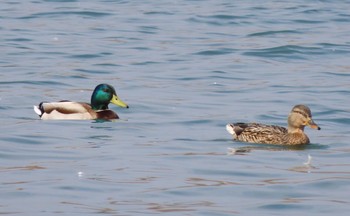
point(265, 147)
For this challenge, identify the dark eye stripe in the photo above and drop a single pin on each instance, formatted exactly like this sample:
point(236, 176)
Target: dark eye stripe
point(301, 113)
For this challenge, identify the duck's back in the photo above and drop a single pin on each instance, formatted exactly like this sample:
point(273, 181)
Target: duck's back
point(64, 110)
point(258, 133)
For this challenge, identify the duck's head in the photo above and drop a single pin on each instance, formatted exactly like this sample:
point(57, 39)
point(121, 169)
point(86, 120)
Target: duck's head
point(299, 117)
point(103, 95)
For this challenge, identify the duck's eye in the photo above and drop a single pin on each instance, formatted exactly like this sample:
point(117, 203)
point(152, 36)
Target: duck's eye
point(106, 90)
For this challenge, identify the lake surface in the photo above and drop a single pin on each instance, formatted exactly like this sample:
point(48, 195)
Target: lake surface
point(186, 69)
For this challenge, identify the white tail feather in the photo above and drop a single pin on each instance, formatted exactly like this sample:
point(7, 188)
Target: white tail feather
point(37, 110)
point(230, 130)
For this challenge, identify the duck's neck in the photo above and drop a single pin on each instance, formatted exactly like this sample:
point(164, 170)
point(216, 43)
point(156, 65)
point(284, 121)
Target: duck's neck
point(295, 130)
point(95, 106)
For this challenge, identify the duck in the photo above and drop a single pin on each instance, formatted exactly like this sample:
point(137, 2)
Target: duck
point(299, 117)
point(70, 110)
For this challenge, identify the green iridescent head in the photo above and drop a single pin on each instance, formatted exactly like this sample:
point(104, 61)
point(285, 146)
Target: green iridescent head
point(103, 95)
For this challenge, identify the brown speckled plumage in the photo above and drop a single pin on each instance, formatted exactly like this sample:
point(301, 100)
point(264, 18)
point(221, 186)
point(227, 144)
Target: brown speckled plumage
point(299, 117)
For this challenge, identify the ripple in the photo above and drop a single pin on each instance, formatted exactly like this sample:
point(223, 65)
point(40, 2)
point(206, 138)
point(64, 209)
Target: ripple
point(31, 82)
point(286, 51)
point(90, 14)
point(145, 63)
point(304, 21)
point(19, 39)
point(269, 33)
point(90, 71)
point(219, 19)
point(158, 13)
point(86, 56)
point(223, 51)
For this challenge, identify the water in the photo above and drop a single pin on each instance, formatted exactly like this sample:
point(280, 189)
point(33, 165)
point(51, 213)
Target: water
point(186, 68)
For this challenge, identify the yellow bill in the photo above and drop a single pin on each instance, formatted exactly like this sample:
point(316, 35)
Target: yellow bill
point(115, 100)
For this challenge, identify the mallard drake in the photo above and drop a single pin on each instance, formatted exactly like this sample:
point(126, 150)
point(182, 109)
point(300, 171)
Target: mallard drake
point(98, 109)
point(298, 118)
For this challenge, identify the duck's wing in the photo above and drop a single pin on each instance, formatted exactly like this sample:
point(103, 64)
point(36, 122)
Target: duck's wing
point(64, 110)
point(257, 133)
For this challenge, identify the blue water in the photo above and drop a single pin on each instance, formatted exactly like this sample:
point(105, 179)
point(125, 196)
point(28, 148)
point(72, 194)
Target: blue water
point(186, 68)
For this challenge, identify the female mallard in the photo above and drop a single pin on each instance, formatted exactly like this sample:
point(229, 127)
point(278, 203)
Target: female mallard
point(298, 118)
point(98, 109)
